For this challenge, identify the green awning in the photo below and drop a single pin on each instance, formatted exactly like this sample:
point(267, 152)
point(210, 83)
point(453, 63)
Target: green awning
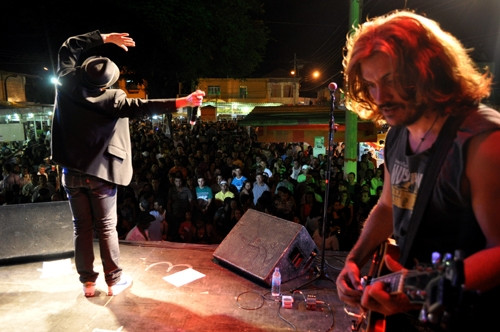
point(292, 115)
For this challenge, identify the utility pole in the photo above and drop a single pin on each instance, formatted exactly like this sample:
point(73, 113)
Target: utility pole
point(296, 84)
point(351, 118)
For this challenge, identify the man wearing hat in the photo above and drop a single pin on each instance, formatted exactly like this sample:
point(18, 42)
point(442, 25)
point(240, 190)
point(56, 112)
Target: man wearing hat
point(223, 193)
point(91, 141)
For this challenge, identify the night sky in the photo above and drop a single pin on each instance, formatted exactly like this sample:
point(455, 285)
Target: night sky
point(312, 30)
point(315, 30)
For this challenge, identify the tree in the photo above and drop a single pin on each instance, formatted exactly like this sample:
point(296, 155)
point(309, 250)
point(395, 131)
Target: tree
point(177, 41)
point(188, 40)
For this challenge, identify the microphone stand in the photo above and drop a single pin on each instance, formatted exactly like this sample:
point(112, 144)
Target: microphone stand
point(322, 273)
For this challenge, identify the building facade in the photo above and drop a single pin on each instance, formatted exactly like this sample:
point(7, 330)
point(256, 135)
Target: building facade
point(236, 98)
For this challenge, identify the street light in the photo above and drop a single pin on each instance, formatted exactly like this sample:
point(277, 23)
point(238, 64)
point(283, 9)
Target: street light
point(54, 80)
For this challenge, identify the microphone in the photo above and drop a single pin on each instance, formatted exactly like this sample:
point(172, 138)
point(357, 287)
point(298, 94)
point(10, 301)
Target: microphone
point(332, 86)
point(194, 112)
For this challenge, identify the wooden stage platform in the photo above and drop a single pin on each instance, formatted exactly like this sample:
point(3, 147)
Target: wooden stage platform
point(177, 287)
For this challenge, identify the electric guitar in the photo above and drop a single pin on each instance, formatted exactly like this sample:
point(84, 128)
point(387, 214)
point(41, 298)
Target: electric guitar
point(419, 285)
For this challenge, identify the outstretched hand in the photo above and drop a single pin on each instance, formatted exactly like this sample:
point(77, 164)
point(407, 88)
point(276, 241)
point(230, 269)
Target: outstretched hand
point(195, 98)
point(121, 39)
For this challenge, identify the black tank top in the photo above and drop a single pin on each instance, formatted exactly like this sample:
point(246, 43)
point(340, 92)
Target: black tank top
point(448, 222)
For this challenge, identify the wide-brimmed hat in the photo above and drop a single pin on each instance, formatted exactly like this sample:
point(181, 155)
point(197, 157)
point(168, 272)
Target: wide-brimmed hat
point(99, 72)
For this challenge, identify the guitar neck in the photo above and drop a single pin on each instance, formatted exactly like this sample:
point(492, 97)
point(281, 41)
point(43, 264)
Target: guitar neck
point(411, 282)
point(414, 283)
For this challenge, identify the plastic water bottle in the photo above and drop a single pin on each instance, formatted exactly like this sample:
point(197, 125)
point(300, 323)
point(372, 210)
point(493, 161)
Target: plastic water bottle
point(276, 282)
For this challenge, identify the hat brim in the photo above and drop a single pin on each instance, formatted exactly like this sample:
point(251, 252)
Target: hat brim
point(114, 69)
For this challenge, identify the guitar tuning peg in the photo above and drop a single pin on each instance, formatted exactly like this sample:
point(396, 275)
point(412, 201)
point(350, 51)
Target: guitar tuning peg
point(423, 315)
point(436, 258)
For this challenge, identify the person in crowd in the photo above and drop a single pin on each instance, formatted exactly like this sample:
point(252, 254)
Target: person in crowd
point(361, 210)
point(265, 203)
point(187, 229)
point(404, 68)
point(217, 179)
point(372, 160)
point(264, 169)
point(91, 141)
point(284, 205)
point(256, 160)
point(332, 237)
point(238, 178)
point(179, 168)
point(236, 214)
point(138, 182)
point(43, 191)
point(338, 223)
point(376, 181)
point(296, 169)
point(222, 219)
point(191, 184)
point(204, 196)
point(247, 189)
point(352, 186)
point(127, 209)
point(287, 182)
point(158, 228)
point(279, 168)
point(140, 232)
point(42, 170)
point(245, 196)
point(237, 162)
point(305, 171)
point(204, 232)
point(309, 207)
point(180, 200)
point(30, 182)
point(222, 194)
point(11, 185)
point(259, 186)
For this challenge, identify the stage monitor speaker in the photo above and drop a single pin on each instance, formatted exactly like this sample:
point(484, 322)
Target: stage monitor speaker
point(259, 242)
point(35, 231)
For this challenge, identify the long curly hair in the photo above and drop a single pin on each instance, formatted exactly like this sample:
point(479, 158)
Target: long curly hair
point(432, 69)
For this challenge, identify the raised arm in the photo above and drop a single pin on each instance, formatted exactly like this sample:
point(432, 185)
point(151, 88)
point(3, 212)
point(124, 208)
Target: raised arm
point(120, 39)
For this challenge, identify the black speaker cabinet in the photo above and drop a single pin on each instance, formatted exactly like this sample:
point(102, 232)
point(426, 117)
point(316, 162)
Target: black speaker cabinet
point(260, 242)
point(35, 231)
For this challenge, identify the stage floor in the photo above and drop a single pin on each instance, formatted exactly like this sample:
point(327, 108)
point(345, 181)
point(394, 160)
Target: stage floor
point(177, 287)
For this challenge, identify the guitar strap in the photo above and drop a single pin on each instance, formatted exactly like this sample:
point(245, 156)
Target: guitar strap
point(443, 144)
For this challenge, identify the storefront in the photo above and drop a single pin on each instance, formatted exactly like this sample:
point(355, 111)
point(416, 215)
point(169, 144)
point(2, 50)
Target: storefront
point(21, 122)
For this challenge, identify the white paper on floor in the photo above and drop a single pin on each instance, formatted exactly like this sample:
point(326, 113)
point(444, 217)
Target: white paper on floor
point(183, 277)
point(56, 268)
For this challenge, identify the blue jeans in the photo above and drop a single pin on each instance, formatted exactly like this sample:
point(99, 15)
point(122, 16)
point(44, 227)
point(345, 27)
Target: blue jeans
point(93, 205)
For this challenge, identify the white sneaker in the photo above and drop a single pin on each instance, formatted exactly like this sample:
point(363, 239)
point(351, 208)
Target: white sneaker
point(89, 289)
point(124, 283)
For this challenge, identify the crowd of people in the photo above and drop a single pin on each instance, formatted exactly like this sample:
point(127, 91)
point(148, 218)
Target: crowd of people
point(194, 185)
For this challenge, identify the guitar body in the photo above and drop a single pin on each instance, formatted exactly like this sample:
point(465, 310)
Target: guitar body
point(430, 286)
point(376, 322)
